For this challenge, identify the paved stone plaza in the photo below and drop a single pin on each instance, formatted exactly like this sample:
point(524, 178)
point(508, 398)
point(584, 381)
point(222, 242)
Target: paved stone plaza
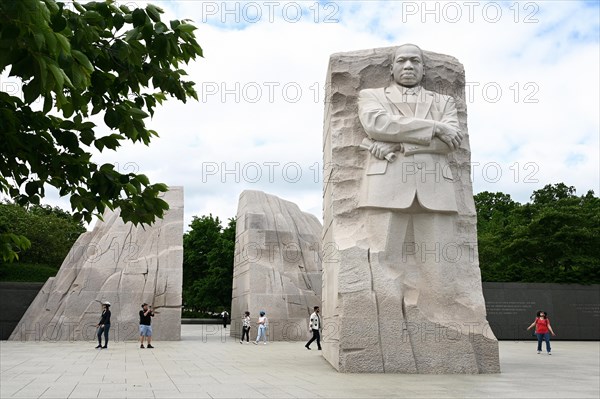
point(207, 363)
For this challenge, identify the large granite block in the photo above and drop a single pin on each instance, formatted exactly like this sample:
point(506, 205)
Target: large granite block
point(119, 263)
point(277, 266)
point(401, 281)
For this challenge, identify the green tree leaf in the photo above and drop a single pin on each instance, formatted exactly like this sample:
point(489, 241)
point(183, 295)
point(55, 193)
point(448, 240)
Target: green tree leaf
point(83, 60)
point(154, 12)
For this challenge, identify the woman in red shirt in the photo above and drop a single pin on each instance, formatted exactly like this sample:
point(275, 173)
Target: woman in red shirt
point(542, 330)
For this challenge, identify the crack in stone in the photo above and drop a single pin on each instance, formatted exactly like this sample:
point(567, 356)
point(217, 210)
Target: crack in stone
point(377, 307)
point(126, 242)
point(305, 278)
point(353, 350)
point(412, 348)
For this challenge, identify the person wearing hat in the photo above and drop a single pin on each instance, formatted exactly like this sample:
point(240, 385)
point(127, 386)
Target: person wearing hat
point(146, 315)
point(263, 323)
point(104, 326)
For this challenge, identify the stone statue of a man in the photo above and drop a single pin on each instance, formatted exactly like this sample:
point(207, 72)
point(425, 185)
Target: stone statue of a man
point(411, 206)
point(402, 290)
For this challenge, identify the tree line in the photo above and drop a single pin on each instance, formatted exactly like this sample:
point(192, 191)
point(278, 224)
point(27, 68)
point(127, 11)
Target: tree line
point(554, 238)
point(50, 233)
point(208, 255)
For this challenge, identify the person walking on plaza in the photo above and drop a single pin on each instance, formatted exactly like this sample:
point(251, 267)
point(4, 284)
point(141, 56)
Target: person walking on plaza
point(104, 326)
point(263, 323)
point(146, 315)
point(543, 329)
point(245, 327)
point(225, 316)
point(314, 326)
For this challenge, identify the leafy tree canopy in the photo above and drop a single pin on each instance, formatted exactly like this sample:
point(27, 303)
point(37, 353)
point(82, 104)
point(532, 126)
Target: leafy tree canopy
point(52, 232)
point(208, 255)
point(95, 59)
point(554, 238)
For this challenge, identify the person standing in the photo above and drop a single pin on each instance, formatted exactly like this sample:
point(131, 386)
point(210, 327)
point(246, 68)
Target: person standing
point(543, 329)
point(104, 326)
point(225, 316)
point(314, 326)
point(263, 323)
point(146, 315)
point(245, 327)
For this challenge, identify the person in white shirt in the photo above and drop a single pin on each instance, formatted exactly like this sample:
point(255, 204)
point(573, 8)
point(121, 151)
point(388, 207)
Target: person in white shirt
point(245, 327)
point(314, 326)
point(263, 322)
point(225, 317)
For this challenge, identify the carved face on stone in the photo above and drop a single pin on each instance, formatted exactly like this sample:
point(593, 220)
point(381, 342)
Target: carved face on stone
point(407, 66)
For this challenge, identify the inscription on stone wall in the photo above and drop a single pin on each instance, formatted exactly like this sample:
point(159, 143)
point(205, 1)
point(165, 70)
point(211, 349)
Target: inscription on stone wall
point(588, 308)
point(509, 307)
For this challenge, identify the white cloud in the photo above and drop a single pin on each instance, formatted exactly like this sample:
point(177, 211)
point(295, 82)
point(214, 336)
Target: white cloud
point(557, 137)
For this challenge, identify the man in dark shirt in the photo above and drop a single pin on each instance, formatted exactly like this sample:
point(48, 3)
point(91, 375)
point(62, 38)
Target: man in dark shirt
point(146, 315)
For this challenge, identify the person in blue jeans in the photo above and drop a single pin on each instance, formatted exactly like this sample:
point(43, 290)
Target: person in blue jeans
point(263, 323)
point(104, 326)
point(543, 329)
point(146, 315)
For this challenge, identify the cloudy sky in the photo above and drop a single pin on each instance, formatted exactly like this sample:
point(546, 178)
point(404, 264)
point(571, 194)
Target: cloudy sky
point(532, 70)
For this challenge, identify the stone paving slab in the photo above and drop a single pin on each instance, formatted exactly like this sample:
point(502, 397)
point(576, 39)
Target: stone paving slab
point(210, 365)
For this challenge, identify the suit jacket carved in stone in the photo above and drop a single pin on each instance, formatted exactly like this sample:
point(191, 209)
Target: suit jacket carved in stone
point(422, 170)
